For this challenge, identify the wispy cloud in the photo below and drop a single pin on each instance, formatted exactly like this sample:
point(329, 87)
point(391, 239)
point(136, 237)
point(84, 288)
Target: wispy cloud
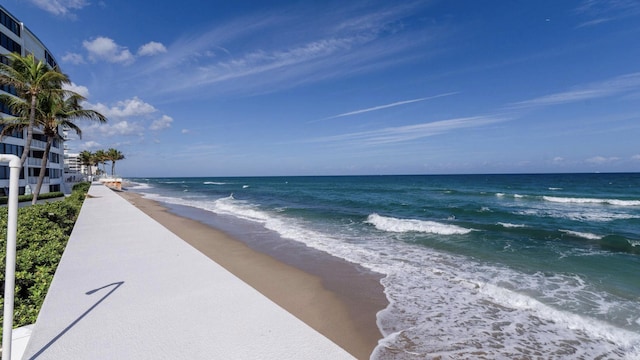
point(386, 106)
point(599, 160)
point(410, 132)
point(618, 85)
point(603, 11)
point(60, 7)
point(340, 43)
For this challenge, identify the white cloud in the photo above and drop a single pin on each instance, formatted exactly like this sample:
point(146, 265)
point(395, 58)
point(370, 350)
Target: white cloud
point(163, 123)
point(124, 128)
point(636, 157)
point(73, 58)
point(185, 131)
point(89, 145)
point(79, 89)
point(103, 48)
point(151, 48)
point(126, 108)
point(60, 7)
point(558, 159)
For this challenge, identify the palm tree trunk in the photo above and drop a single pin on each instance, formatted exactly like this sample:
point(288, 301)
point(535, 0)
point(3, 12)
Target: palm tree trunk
point(113, 168)
point(27, 143)
point(43, 170)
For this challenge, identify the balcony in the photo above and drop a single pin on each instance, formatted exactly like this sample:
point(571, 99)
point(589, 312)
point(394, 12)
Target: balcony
point(34, 180)
point(34, 161)
point(38, 144)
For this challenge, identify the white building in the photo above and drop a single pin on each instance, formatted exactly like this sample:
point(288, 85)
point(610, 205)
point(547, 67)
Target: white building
point(15, 37)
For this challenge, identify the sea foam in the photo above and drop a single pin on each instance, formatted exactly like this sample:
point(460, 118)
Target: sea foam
point(391, 224)
point(509, 225)
point(138, 186)
point(568, 200)
point(584, 235)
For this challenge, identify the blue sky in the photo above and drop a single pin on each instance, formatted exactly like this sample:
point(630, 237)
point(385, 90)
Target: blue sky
point(237, 88)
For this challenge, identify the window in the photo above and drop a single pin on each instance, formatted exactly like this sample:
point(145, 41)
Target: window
point(9, 44)
point(9, 23)
point(17, 133)
point(54, 158)
point(6, 88)
point(49, 59)
point(55, 173)
point(5, 109)
point(11, 149)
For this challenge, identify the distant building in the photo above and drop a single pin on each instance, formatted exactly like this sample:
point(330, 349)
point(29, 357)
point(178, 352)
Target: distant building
point(72, 163)
point(16, 37)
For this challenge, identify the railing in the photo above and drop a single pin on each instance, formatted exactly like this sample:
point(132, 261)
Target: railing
point(34, 180)
point(38, 144)
point(34, 161)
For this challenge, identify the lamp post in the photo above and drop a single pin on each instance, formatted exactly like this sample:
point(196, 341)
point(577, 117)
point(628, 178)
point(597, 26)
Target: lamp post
point(12, 228)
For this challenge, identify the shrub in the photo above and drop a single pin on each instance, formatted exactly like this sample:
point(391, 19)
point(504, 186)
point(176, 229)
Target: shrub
point(43, 232)
point(23, 198)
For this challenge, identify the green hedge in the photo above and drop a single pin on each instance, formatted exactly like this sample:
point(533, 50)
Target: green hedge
point(43, 232)
point(23, 198)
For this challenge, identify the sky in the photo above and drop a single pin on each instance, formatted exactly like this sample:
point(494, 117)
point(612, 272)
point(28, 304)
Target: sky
point(268, 88)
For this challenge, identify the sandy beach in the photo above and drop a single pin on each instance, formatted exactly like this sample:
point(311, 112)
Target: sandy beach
point(338, 299)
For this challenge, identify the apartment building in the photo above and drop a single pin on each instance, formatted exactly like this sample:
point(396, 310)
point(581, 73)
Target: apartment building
point(16, 37)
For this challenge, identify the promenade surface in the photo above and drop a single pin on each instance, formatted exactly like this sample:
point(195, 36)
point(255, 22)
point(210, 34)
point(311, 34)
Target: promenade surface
point(127, 288)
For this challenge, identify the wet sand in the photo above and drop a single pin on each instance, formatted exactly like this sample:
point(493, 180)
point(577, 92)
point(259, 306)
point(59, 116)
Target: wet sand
point(337, 298)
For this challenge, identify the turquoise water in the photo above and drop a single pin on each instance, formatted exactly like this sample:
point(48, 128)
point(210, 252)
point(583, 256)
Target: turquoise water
point(475, 266)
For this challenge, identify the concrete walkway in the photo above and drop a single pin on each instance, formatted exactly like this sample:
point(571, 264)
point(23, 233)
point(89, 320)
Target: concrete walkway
point(127, 288)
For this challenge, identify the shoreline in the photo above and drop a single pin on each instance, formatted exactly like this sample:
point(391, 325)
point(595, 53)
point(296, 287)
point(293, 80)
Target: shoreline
point(338, 299)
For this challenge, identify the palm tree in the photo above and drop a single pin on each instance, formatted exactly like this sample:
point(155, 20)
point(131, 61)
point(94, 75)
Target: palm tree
point(100, 157)
point(114, 155)
point(57, 111)
point(86, 159)
point(30, 78)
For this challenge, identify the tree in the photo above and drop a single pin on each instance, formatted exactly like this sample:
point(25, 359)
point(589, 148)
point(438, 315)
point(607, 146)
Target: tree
point(86, 159)
point(100, 157)
point(114, 155)
point(30, 78)
point(59, 110)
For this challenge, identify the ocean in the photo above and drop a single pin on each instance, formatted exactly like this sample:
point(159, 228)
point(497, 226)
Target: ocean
point(474, 266)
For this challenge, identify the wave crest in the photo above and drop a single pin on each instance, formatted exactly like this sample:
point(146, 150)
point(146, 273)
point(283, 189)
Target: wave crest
point(567, 200)
point(391, 224)
point(584, 235)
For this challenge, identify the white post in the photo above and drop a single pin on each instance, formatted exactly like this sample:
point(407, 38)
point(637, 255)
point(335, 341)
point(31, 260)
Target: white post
point(12, 229)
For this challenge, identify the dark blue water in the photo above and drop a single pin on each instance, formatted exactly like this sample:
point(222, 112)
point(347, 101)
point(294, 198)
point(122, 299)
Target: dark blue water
point(493, 266)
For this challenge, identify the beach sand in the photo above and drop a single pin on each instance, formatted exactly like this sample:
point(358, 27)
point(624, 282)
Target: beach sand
point(337, 298)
